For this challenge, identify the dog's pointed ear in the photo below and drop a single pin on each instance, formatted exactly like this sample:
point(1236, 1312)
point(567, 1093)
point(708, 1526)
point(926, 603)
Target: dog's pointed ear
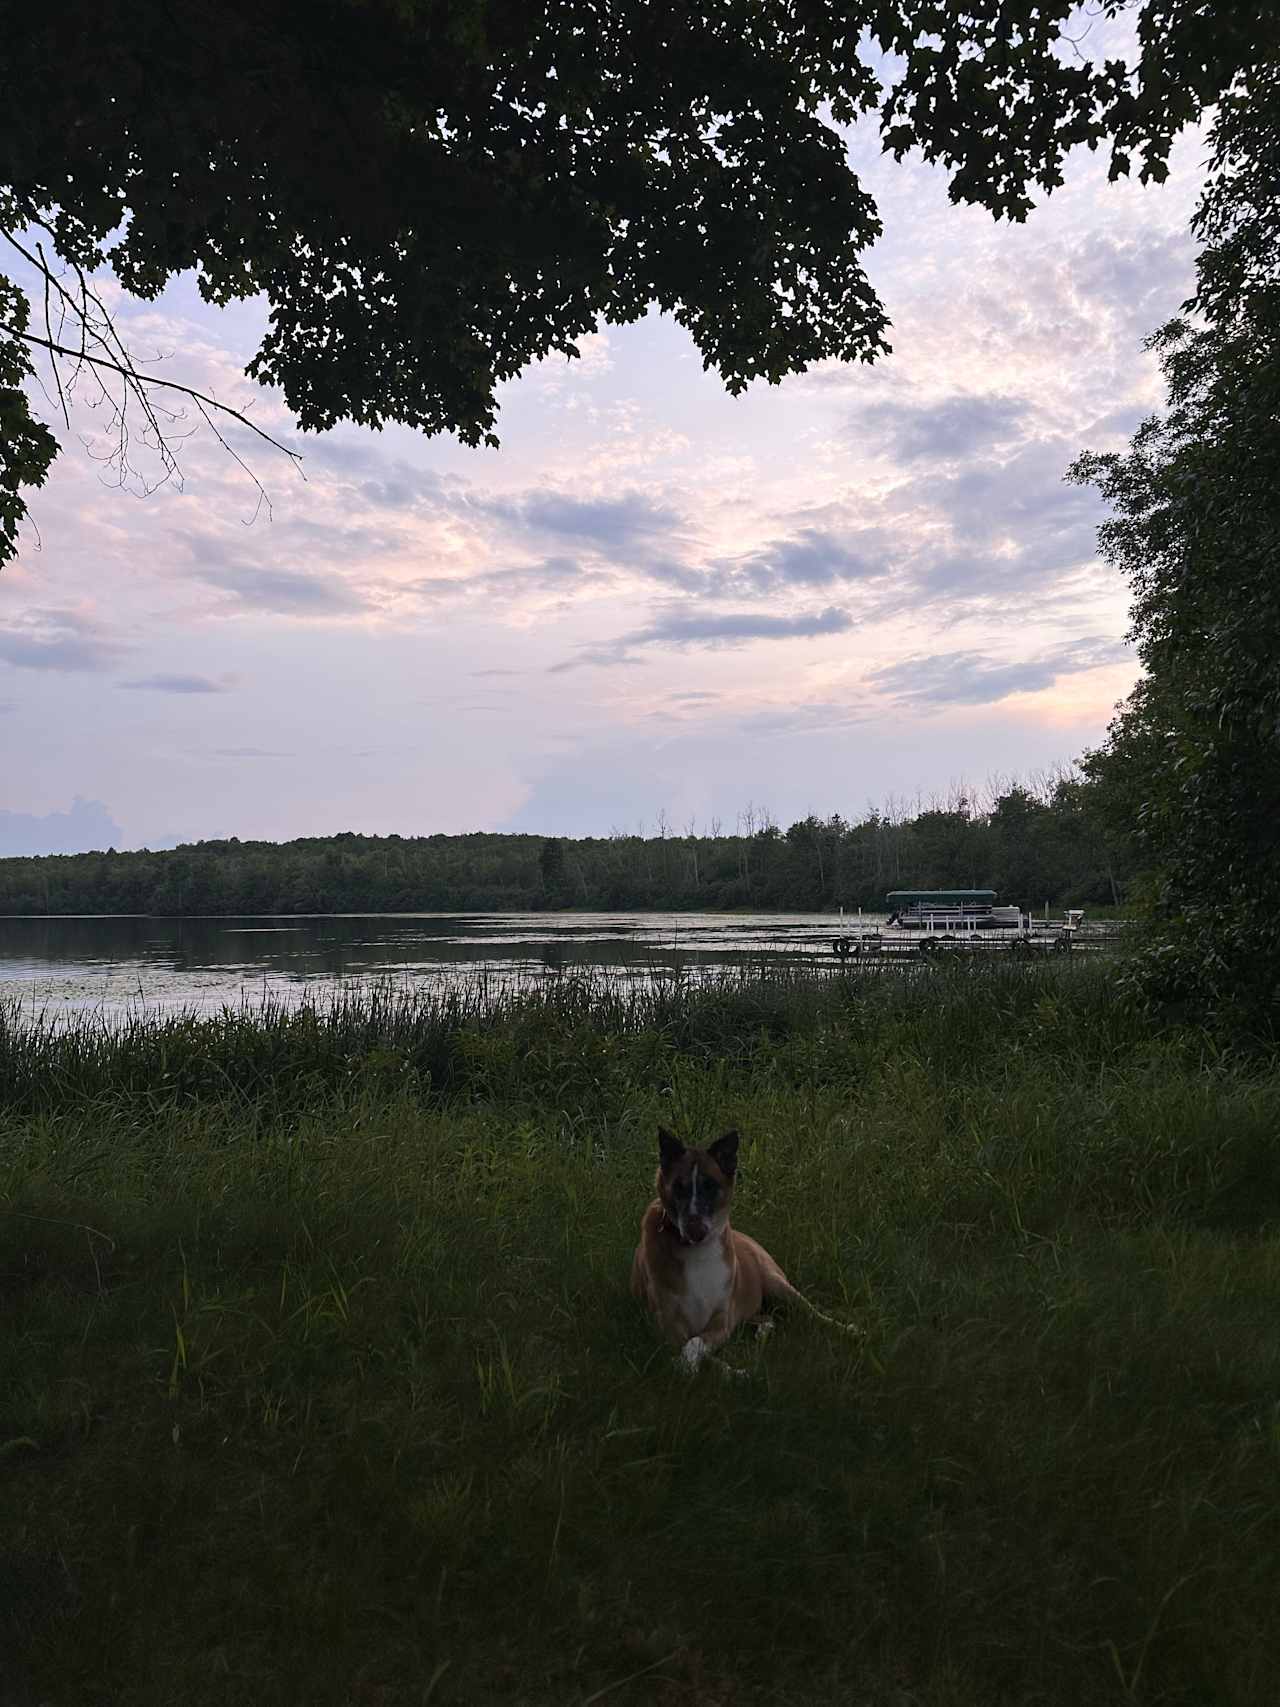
point(724, 1153)
point(670, 1149)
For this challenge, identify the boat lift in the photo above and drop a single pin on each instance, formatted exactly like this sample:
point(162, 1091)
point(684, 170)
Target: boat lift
point(926, 923)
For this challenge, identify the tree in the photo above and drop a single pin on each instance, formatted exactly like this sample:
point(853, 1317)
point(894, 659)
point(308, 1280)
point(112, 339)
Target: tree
point(1118, 777)
point(1197, 531)
point(1016, 822)
point(943, 844)
point(27, 447)
point(551, 866)
point(431, 194)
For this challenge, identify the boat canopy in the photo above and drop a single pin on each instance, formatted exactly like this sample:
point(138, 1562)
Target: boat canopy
point(898, 898)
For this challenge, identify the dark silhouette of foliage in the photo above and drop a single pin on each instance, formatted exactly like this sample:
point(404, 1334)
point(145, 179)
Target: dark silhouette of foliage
point(433, 195)
point(551, 866)
point(1058, 852)
point(1194, 756)
point(27, 447)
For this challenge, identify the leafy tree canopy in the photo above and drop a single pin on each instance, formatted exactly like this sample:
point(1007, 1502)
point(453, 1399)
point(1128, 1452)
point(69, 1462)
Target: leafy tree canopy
point(1049, 845)
point(1194, 755)
point(431, 194)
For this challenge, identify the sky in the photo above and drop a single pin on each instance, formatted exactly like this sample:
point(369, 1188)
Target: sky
point(865, 585)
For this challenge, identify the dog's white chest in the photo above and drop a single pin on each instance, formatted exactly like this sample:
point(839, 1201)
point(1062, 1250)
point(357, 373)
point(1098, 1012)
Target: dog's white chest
point(707, 1284)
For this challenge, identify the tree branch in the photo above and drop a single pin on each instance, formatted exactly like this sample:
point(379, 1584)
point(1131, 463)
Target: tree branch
point(139, 379)
point(97, 328)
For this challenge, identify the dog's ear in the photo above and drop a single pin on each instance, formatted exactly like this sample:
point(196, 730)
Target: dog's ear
point(724, 1153)
point(670, 1149)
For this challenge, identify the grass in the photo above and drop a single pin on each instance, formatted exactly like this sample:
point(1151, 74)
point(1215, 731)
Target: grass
point(321, 1384)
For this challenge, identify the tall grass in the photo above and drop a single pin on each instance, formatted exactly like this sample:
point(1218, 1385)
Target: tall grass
point(462, 1039)
point(322, 1383)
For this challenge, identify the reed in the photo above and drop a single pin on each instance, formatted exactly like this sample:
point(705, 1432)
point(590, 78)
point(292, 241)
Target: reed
point(448, 1038)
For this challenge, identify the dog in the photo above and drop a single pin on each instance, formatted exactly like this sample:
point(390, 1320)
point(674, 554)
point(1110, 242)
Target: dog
point(699, 1277)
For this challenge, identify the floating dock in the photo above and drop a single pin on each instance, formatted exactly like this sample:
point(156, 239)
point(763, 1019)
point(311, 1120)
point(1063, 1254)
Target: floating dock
point(860, 948)
point(932, 923)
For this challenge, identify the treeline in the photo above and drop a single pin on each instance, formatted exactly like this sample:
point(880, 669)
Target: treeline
point(1030, 849)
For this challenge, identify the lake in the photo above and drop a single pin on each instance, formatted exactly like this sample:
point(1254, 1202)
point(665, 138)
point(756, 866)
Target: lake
point(114, 965)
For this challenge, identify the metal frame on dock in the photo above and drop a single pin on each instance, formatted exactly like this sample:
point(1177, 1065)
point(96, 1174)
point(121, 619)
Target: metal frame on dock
point(932, 923)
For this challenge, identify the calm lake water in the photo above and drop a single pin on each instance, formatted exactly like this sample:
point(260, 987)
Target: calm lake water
point(113, 965)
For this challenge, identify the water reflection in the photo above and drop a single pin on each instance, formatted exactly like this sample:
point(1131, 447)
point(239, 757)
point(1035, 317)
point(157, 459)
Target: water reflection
point(116, 963)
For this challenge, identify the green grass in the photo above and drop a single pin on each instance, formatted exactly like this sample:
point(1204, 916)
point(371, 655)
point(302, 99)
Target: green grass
point(320, 1381)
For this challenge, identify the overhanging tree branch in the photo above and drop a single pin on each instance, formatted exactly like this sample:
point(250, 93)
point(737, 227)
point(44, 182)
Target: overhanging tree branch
point(131, 374)
point(138, 389)
point(506, 177)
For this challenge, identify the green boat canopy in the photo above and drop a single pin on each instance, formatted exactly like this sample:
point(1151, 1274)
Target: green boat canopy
point(940, 897)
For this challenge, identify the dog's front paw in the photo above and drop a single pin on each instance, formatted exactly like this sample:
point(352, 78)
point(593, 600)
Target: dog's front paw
point(692, 1353)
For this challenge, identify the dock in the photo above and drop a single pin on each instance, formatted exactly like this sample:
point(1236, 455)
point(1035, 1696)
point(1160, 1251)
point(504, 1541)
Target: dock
point(877, 946)
point(926, 924)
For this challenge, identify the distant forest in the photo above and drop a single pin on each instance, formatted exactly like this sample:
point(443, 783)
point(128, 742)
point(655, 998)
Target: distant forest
point(1029, 845)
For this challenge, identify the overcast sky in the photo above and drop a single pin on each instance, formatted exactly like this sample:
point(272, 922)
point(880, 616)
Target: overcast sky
point(859, 584)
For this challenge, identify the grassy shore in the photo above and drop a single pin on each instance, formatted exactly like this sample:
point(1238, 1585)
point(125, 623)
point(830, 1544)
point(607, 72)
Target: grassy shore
point(320, 1381)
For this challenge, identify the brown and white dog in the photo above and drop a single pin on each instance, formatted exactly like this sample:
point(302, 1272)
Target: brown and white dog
point(699, 1277)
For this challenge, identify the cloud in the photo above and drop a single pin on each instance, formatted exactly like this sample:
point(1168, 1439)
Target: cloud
point(1141, 279)
point(390, 493)
point(560, 802)
point(973, 678)
point(399, 486)
point(681, 628)
point(812, 557)
point(816, 717)
point(1004, 525)
point(286, 592)
point(250, 753)
point(1027, 493)
point(961, 678)
point(58, 640)
point(1020, 525)
point(955, 427)
point(978, 534)
point(177, 684)
point(630, 529)
point(345, 454)
point(551, 574)
point(1115, 427)
point(356, 454)
point(688, 628)
point(85, 826)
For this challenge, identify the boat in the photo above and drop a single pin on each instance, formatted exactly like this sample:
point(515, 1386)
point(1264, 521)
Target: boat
point(927, 921)
point(953, 910)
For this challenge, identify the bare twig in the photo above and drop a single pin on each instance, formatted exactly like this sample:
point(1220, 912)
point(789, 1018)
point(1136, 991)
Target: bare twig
point(48, 326)
point(96, 326)
point(140, 379)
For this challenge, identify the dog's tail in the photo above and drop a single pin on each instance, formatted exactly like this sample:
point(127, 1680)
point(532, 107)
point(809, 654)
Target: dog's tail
point(786, 1291)
point(850, 1328)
